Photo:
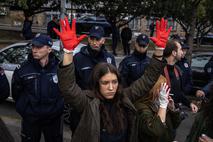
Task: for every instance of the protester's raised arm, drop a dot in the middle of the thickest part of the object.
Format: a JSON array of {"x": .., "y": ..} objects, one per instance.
[
  {"x": 145, "y": 83},
  {"x": 161, "y": 38},
  {"x": 69, "y": 39}
]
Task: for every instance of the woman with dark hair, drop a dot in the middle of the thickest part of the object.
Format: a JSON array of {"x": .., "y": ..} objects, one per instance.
[
  {"x": 157, "y": 116},
  {"x": 202, "y": 128},
  {"x": 107, "y": 112}
]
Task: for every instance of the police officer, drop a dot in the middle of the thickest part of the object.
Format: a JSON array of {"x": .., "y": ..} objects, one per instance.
[
  {"x": 53, "y": 24},
  {"x": 209, "y": 69},
  {"x": 36, "y": 93},
  {"x": 90, "y": 55},
  {"x": 133, "y": 66},
  {"x": 205, "y": 91},
  {"x": 126, "y": 36},
  {"x": 185, "y": 70},
  {"x": 4, "y": 86},
  {"x": 86, "y": 60}
]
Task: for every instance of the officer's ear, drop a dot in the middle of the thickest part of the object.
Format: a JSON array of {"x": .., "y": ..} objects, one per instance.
[
  {"x": 174, "y": 53},
  {"x": 50, "y": 49},
  {"x": 103, "y": 40}
]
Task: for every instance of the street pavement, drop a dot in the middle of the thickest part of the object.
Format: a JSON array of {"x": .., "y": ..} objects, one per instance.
[{"x": 13, "y": 122}]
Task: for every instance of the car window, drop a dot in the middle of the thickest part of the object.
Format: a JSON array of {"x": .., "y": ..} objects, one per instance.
[
  {"x": 200, "y": 61},
  {"x": 14, "y": 55}
]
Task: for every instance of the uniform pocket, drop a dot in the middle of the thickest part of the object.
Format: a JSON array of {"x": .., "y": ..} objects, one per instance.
[
  {"x": 85, "y": 74},
  {"x": 31, "y": 84}
]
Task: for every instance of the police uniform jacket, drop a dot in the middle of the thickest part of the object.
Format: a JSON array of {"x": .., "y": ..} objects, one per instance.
[
  {"x": 209, "y": 69},
  {"x": 4, "y": 86},
  {"x": 35, "y": 90},
  {"x": 86, "y": 60},
  {"x": 132, "y": 67},
  {"x": 186, "y": 75}
]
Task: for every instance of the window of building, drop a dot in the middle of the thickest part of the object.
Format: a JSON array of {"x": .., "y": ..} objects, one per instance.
[{"x": 171, "y": 23}]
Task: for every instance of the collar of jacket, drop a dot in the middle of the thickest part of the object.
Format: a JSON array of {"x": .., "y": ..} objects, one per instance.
[
  {"x": 53, "y": 60},
  {"x": 88, "y": 51},
  {"x": 140, "y": 56},
  {"x": 184, "y": 59}
]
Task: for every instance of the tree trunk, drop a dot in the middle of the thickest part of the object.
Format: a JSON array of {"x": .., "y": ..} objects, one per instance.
[{"x": 191, "y": 34}]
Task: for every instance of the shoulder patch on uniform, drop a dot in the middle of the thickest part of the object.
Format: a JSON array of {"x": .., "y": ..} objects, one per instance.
[
  {"x": 55, "y": 79},
  {"x": 109, "y": 60},
  {"x": 186, "y": 65},
  {"x": 18, "y": 66},
  {"x": 1, "y": 72}
]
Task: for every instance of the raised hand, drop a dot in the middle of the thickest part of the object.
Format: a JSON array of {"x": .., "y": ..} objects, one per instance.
[
  {"x": 163, "y": 95},
  {"x": 68, "y": 36},
  {"x": 162, "y": 34}
]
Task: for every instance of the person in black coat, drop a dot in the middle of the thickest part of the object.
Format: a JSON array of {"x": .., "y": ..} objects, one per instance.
[
  {"x": 126, "y": 36},
  {"x": 53, "y": 24},
  {"x": 4, "y": 86},
  {"x": 186, "y": 71},
  {"x": 133, "y": 66},
  {"x": 27, "y": 29},
  {"x": 37, "y": 95},
  {"x": 209, "y": 72},
  {"x": 173, "y": 53}
]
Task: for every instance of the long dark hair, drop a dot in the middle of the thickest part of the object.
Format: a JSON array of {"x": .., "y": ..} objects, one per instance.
[
  {"x": 113, "y": 121},
  {"x": 208, "y": 111}
]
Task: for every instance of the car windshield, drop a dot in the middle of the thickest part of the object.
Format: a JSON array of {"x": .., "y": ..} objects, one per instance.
[
  {"x": 18, "y": 54},
  {"x": 200, "y": 61},
  {"x": 15, "y": 55}
]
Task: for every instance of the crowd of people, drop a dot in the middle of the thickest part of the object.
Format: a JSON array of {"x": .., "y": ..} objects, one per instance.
[{"x": 138, "y": 101}]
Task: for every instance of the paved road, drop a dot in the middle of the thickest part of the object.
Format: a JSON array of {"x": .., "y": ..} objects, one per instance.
[
  {"x": 13, "y": 121},
  {"x": 185, "y": 127}
]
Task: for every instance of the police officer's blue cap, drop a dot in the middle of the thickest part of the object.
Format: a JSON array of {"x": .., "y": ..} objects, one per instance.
[
  {"x": 185, "y": 46},
  {"x": 41, "y": 40},
  {"x": 97, "y": 32},
  {"x": 142, "y": 40}
]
